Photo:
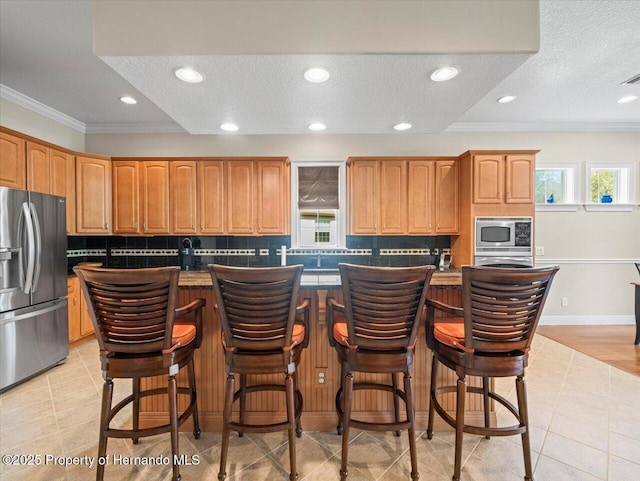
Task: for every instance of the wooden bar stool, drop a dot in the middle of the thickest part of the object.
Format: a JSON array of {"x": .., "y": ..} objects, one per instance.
[
  {"x": 257, "y": 310},
  {"x": 140, "y": 334},
  {"x": 489, "y": 337},
  {"x": 375, "y": 332}
]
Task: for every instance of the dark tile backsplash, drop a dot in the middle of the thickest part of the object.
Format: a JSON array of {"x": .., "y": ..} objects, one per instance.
[{"x": 108, "y": 250}]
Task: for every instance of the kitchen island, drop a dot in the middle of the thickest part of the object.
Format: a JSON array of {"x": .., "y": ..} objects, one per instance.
[{"x": 319, "y": 370}]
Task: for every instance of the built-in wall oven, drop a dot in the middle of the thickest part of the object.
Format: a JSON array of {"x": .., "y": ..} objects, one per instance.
[{"x": 504, "y": 241}]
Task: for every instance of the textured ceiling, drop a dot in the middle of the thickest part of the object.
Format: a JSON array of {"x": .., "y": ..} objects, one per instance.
[{"x": 587, "y": 48}]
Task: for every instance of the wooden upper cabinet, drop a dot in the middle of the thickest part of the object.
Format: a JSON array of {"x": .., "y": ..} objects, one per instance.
[
  {"x": 13, "y": 168},
  {"x": 393, "y": 197},
  {"x": 499, "y": 179},
  {"x": 488, "y": 179},
  {"x": 377, "y": 196},
  {"x": 184, "y": 197},
  {"x": 140, "y": 197},
  {"x": 154, "y": 196},
  {"x": 126, "y": 201},
  {"x": 363, "y": 196},
  {"x": 272, "y": 197},
  {"x": 38, "y": 168},
  {"x": 63, "y": 183},
  {"x": 257, "y": 193},
  {"x": 420, "y": 197},
  {"x": 433, "y": 197},
  {"x": 211, "y": 196},
  {"x": 520, "y": 179},
  {"x": 446, "y": 200},
  {"x": 93, "y": 195},
  {"x": 240, "y": 197}
]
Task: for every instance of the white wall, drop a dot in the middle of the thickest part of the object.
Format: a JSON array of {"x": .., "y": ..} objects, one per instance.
[
  {"x": 598, "y": 287},
  {"x": 16, "y": 117}
]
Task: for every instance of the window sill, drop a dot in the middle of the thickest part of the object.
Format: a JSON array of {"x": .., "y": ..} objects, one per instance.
[
  {"x": 557, "y": 207},
  {"x": 609, "y": 207}
]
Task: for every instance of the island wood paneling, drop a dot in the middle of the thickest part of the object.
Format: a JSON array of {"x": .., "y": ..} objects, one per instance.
[{"x": 319, "y": 357}]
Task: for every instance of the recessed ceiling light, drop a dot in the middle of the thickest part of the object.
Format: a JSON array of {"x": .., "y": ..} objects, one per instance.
[
  {"x": 444, "y": 73},
  {"x": 506, "y": 99},
  {"x": 128, "y": 100},
  {"x": 189, "y": 75},
  {"x": 628, "y": 98},
  {"x": 229, "y": 127},
  {"x": 317, "y": 126},
  {"x": 316, "y": 75},
  {"x": 402, "y": 126}
]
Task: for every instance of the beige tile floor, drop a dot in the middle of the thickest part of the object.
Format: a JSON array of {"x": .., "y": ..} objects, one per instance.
[{"x": 584, "y": 414}]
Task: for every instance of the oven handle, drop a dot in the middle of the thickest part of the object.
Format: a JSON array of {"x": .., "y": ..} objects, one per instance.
[{"x": 516, "y": 261}]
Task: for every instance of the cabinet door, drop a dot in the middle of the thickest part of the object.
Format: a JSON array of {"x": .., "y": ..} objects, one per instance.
[
  {"x": 520, "y": 179},
  {"x": 73, "y": 293},
  {"x": 126, "y": 202},
  {"x": 211, "y": 195},
  {"x": 363, "y": 197},
  {"x": 488, "y": 179},
  {"x": 13, "y": 167},
  {"x": 93, "y": 195},
  {"x": 63, "y": 183},
  {"x": 446, "y": 197},
  {"x": 272, "y": 197},
  {"x": 184, "y": 197},
  {"x": 240, "y": 197},
  {"x": 420, "y": 197},
  {"x": 38, "y": 168},
  {"x": 393, "y": 197},
  {"x": 86, "y": 326},
  {"x": 154, "y": 196}
]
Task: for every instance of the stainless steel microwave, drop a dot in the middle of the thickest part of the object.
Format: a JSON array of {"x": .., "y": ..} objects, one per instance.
[{"x": 504, "y": 236}]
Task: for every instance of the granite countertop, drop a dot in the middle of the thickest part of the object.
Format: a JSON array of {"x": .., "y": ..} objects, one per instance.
[{"x": 316, "y": 280}]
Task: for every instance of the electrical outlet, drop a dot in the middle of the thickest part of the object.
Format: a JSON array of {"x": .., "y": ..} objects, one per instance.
[
  {"x": 320, "y": 378},
  {"x": 564, "y": 301},
  {"x": 539, "y": 251}
]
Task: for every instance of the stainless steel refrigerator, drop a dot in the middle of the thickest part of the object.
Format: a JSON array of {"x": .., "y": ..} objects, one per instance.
[{"x": 33, "y": 284}]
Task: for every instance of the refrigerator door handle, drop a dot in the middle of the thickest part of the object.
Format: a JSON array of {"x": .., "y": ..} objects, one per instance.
[
  {"x": 20, "y": 314},
  {"x": 31, "y": 256},
  {"x": 38, "y": 245}
]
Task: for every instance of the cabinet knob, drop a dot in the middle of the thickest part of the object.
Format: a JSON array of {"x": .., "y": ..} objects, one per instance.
[
  {"x": 144, "y": 226},
  {"x": 106, "y": 226},
  {"x": 193, "y": 226},
  {"x": 135, "y": 225}
]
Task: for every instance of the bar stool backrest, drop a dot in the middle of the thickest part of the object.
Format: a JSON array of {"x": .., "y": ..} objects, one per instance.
[
  {"x": 256, "y": 306},
  {"x": 132, "y": 310},
  {"x": 384, "y": 305},
  {"x": 502, "y": 306}
]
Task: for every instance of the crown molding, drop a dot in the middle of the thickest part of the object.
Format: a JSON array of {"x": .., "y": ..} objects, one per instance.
[
  {"x": 141, "y": 128},
  {"x": 40, "y": 108},
  {"x": 543, "y": 127}
]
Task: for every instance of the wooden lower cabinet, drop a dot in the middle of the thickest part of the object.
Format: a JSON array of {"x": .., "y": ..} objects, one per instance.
[
  {"x": 80, "y": 325},
  {"x": 319, "y": 358}
]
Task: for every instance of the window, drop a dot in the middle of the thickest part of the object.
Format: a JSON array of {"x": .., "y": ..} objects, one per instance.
[
  {"x": 609, "y": 185},
  {"x": 318, "y": 190},
  {"x": 556, "y": 186}
]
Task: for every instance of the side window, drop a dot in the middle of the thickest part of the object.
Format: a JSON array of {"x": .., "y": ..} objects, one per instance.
[
  {"x": 318, "y": 207},
  {"x": 556, "y": 184},
  {"x": 610, "y": 184}
]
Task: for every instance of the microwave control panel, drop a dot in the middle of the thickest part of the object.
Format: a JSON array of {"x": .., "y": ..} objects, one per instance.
[{"x": 522, "y": 236}]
